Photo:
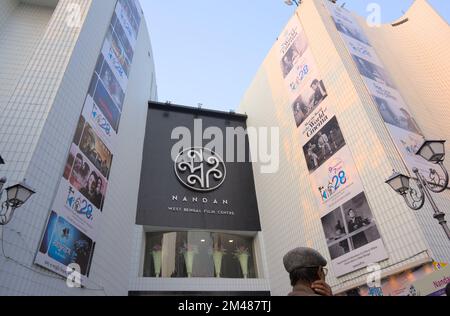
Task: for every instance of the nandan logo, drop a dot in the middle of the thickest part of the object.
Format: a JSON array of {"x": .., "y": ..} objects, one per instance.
[{"x": 200, "y": 169}]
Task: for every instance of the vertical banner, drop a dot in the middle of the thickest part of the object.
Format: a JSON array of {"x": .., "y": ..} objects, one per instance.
[
  {"x": 350, "y": 228},
  {"x": 71, "y": 231},
  {"x": 403, "y": 129}
]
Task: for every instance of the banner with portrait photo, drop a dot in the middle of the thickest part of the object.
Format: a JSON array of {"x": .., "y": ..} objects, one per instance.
[
  {"x": 306, "y": 89},
  {"x": 86, "y": 178},
  {"x": 92, "y": 147},
  {"x": 115, "y": 56},
  {"x": 323, "y": 145},
  {"x": 73, "y": 225},
  {"x": 129, "y": 51},
  {"x": 130, "y": 15},
  {"x": 333, "y": 174},
  {"x": 340, "y": 195},
  {"x": 352, "y": 236},
  {"x": 346, "y": 24},
  {"x": 95, "y": 117},
  {"x": 124, "y": 17},
  {"x": 361, "y": 50},
  {"x": 105, "y": 103},
  {"x": 112, "y": 85},
  {"x": 403, "y": 129}
]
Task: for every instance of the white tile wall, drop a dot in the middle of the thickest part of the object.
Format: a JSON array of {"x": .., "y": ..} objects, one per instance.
[
  {"x": 288, "y": 209},
  {"x": 21, "y": 32},
  {"x": 417, "y": 54},
  {"x": 114, "y": 248},
  {"x": 6, "y": 9},
  {"x": 37, "y": 126}
]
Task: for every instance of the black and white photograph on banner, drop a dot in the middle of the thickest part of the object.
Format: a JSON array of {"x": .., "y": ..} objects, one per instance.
[
  {"x": 374, "y": 72},
  {"x": 397, "y": 116},
  {"x": 300, "y": 110},
  {"x": 294, "y": 53},
  {"x": 350, "y": 30},
  {"x": 314, "y": 95},
  {"x": 323, "y": 145},
  {"x": 361, "y": 226},
  {"x": 350, "y": 227},
  {"x": 335, "y": 233}
]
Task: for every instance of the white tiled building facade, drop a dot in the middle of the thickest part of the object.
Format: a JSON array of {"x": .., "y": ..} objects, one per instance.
[
  {"x": 47, "y": 60},
  {"x": 49, "y": 50},
  {"x": 416, "y": 53}
]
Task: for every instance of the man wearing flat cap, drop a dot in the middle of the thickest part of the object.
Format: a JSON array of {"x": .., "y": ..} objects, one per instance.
[{"x": 306, "y": 268}]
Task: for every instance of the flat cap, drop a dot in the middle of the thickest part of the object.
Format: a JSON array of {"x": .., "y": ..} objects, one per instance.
[{"x": 303, "y": 258}]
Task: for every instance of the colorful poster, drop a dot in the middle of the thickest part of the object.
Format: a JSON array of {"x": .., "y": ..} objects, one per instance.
[
  {"x": 404, "y": 130},
  {"x": 106, "y": 104},
  {"x": 73, "y": 224},
  {"x": 349, "y": 226},
  {"x": 95, "y": 117},
  {"x": 431, "y": 285},
  {"x": 397, "y": 284},
  {"x": 64, "y": 244}
]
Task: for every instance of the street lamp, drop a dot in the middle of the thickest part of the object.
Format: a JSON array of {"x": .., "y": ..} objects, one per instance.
[
  {"x": 299, "y": 2},
  {"x": 291, "y": 2},
  {"x": 434, "y": 152},
  {"x": 16, "y": 196}
]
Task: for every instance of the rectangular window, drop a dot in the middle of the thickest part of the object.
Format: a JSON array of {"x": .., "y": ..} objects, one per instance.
[{"x": 199, "y": 255}]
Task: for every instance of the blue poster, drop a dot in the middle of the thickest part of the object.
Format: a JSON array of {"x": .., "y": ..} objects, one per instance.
[{"x": 68, "y": 245}]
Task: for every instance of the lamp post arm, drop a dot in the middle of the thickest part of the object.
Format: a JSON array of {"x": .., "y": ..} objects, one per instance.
[
  {"x": 436, "y": 184},
  {"x": 414, "y": 199},
  {"x": 6, "y": 213},
  {"x": 438, "y": 215}
]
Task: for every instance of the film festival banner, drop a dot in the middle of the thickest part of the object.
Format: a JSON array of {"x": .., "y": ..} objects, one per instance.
[
  {"x": 431, "y": 285},
  {"x": 403, "y": 129},
  {"x": 349, "y": 226},
  {"x": 71, "y": 231}
]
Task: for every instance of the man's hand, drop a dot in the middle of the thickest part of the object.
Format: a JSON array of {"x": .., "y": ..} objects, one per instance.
[{"x": 322, "y": 288}]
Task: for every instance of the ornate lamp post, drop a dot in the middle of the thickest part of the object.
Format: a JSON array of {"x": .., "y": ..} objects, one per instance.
[
  {"x": 434, "y": 152},
  {"x": 16, "y": 196},
  {"x": 291, "y": 2}
]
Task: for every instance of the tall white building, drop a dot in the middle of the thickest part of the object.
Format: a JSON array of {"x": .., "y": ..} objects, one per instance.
[
  {"x": 49, "y": 50},
  {"x": 351, "y": 103},
  {"x": 378, "y": 91}
]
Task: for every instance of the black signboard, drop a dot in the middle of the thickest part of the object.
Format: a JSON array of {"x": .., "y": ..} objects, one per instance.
[{"x": 197, "y": 187}]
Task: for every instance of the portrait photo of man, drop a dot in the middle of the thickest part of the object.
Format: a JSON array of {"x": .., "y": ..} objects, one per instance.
[
  {"x": 300, "y": 110},
  {"x": 294, "y": 53},
  {"x": 360, "y": 223}
]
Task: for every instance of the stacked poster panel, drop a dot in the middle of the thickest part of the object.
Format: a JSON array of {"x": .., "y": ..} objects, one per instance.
[
  {"x": 403, "y": 129},
  {"x": 71, "y": 231},
  {"x": 350, "y": 228}
]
